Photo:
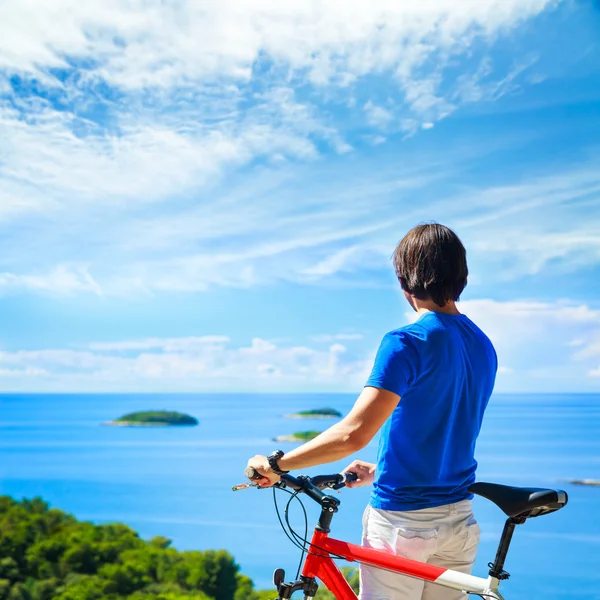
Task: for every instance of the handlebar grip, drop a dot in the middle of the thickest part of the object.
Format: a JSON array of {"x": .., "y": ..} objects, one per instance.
[
  {"x": 344, "y": 478},
  {"x": 350, "y": 476},
  {"x": 252, "y": 473}
]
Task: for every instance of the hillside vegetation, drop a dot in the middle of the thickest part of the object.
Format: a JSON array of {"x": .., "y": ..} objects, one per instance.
[{"x": 46, "y": 554}]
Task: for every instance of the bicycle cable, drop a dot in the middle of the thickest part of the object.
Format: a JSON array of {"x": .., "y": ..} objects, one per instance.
[
  {"x": 281, "y": 522},
  {"x": 287, "y": 520},
  {"x": 302, "y": 543}
]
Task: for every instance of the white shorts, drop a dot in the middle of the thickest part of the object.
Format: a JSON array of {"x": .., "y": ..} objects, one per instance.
[{"x": 446, "y": 536}]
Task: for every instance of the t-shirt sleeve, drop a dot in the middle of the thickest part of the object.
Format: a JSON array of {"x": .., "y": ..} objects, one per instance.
[{"x": 394, "y": 364}]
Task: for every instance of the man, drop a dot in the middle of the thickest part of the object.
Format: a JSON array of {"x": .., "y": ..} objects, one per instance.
[{"x": 429, "y": 387}]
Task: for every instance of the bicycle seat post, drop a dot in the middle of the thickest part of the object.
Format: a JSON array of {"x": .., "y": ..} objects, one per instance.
[{"x": 497, "y": 567}]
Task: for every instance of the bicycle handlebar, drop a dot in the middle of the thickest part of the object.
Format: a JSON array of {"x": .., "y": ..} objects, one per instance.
[{"x": 307, "y": 484}]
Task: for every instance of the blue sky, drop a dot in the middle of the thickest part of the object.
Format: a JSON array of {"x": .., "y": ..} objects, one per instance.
[{"x": 204, "y": 198}]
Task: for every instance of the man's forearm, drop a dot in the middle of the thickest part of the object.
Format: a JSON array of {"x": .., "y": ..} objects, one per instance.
[{"x": 335, "y": 443}]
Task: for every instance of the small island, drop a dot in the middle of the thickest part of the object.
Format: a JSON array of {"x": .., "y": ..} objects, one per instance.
[
  {"x": 301, "y": 436},
  {"x": 593, "y": 482},
  {"x": 320, "y": 413},
  {"x": 154, "y": 418}
]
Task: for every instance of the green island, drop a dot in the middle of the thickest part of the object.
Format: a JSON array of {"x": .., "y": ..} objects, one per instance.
[
  {"x": 157, "y": 418},
  {"x": 300, "y": 436},
  {"x": 47, "y": 554},
  {"x": 320, "y": 413}
]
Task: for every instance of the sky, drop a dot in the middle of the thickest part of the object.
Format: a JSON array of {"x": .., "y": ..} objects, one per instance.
[{"x": 205, "y": 196}]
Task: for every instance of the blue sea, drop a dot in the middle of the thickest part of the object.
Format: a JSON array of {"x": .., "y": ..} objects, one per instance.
[{"x": 176, "y": 482}]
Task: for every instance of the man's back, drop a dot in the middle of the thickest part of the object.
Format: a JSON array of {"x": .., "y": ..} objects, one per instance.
[{"x": 443, "y": 368}]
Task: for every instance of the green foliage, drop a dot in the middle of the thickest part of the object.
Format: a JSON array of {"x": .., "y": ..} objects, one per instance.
[
  {"x": 158, "y": 417},
  {"x": 46, "y": 554}
]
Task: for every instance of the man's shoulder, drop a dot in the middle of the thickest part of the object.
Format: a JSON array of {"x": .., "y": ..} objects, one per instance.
[
  {"x": 406, "y": 338},
  {"x": 416, "y": 330}
]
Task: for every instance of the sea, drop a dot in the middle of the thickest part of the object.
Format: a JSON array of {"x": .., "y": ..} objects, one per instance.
[{"x": 177, "y": 482}]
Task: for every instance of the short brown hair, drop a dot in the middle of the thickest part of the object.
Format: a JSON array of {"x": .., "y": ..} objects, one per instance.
[{"x": 431, "y": 263}]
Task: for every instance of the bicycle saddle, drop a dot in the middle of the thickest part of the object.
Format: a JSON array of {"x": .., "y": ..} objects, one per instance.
[{"x": 521, "y": 501}]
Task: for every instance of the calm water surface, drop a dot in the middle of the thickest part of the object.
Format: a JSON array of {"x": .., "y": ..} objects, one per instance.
[{"x": 177, "y": 482}]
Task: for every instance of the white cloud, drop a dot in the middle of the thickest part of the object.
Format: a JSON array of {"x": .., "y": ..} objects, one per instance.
[
  {"x": 375, "y": 140},
  {"x": 378, "y": 116},
  {"x": 143, "y": 158},
  {"x": 202, "y": 363},
  {"x": 165, "y": 45}
]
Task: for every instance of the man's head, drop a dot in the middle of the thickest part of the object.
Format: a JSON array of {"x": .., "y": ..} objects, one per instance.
[{"x": 431, "y": 264}]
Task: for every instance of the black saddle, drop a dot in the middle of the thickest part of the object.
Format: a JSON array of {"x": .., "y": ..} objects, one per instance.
[{"x": 521, "y": 502}]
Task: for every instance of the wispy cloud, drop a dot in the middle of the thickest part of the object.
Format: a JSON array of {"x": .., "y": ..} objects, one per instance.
[
  {"x": 121, "y": 102},
  {"x": 326, "y": 230},
  {"x": 159, "y": 145},
  {"x": 337, "y": 337},
  {"x": 162, "y": 344},
  {"x": 62, "y": 279}
]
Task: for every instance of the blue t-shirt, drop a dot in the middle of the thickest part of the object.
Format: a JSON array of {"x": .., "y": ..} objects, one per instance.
[{"x": 443, "y": 368}]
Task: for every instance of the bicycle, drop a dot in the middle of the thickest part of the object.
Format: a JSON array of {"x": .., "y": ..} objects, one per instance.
[{"x": 518, "y": 503}]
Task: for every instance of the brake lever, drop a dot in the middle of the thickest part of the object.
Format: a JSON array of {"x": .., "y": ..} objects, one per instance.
[
  {"x": 246, "y": 486},
  {"x": 243, "y": 486}
]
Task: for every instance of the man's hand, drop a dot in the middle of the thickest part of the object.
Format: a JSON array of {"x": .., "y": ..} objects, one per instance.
[
  {"x": 261, "y": 464},
  {"x": 365, "y": 472}
]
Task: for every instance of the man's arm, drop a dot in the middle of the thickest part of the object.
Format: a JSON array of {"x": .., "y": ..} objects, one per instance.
[{"x": 351, "y": 434}]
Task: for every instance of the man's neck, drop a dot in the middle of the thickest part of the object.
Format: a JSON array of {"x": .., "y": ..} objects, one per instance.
[{"x": 425, "y": 306}]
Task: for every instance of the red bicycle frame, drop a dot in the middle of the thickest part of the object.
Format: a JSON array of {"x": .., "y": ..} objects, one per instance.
[
  {"x": 320, "y": 564},
  {"x": 518, "y": 503}
]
